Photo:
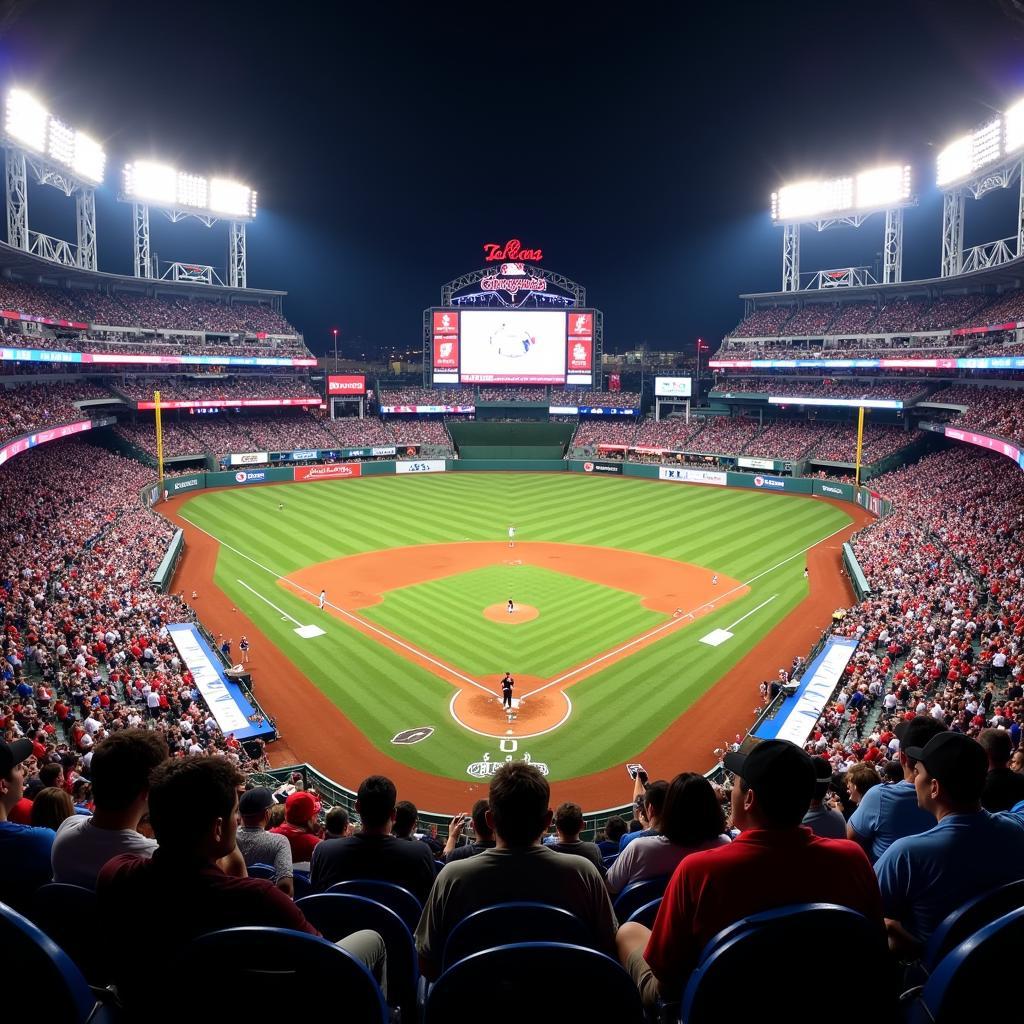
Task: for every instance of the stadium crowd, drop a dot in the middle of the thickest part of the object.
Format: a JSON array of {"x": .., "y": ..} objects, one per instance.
[
  {"x": 28, "y": 407},
  {"x": 839, "y": 388},
  {"x": 214, "y": 389}
]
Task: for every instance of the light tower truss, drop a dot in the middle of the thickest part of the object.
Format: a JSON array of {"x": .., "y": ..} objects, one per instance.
[
  {"x": 20, "y": 164},
  {"x": 955, "y": 258},
  {"x": 576, "y": 290}
]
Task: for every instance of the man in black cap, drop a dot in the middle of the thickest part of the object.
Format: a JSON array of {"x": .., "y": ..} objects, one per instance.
[
  {"x": 925, "y": 877},
  {"x": 24, "y": 851},
  {"x": 772, "y": 863},
  {"x": 893, "y": 812},
  {"x": 257, "y": 845}
]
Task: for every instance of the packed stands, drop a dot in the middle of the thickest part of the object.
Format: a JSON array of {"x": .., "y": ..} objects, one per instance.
[
  {"x": 838, "y": 442},
  {"x": 427, "y": 396},
  {"x": 214, "y": 389},
  {"x": 506, "y": 393},
  {"x": 785, "y": 439},
  {"x": 672, "y": 433},
  {"x": 599, "y": 399},
  {"x": 418, "y": 431},
  {"x": 763, "y": 323},
  {"x": 846, "y": 388},
  {"x": 990, "y": 410},
  {"x": 592, "y": 433},
  {"x": 724, "y": 434},
  {"x": 29, "y": 407}
]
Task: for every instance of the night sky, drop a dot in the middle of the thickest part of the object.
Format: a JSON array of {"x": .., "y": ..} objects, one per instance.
[{"x": 637, "y": 148}]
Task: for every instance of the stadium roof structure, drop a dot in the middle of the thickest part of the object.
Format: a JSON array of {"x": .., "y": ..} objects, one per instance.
[{"x": 23, "y": 265}]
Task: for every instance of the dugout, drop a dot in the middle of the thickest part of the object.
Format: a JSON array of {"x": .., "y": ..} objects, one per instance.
[{"x": 482, "y": 440}]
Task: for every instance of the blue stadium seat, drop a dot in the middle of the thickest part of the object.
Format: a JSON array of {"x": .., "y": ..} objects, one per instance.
[
  {"x": 513, "y": 981},
  {"x": 646, "y": 914},
  {"x": 399, "y": 899},
  {"x": 970, "y": 918},
  {"x": 506, "y": 923},
  {"x": 636, "y": 894},
  {"x": 438, "y": 864},
  {"x": 990, "y": 956},
  {"x": 298, "y": 969},
  {"x": 336, "y": 915},
  {"x": 302, "y": 884},
  {"x": 609, "y": 860},
  {"x": 66, "y": 913},
  {"x": 262, "y": 871},
  {"x": 42, "y": 971},
  {"x": 765, "y": 950}
]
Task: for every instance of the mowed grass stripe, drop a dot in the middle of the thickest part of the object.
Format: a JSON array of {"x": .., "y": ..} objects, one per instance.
[{"x": 619, "y": 710}]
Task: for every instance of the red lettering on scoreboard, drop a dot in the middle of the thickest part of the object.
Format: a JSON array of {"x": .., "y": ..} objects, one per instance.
[{"x": 511, "y": 250}]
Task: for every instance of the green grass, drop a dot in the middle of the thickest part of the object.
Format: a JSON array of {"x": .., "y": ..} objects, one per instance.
[
  {"x": 617, "y": 711},
  {"x": 576, "y": 619}
]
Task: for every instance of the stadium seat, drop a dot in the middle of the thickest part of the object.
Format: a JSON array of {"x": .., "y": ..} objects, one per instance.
[
  {"x": 513, "y": 922},
  {"x": 62, "y": 911},
  {"x": 40, "y": 968},
  {"x": 336, "y": 915},
  {"x": 400, "y": 900},
  {"x": 302, "y": 885},
  {"x": 970, "y": 918},
  {"x": 636, "y": 894},
  {"x": 609, "y": 860},
  {"x": 512, "y": 982},
  {"x": 438, "y": 864},
  {"x": 300, "y": 970},
  {"x": 991, "y": 955},
  {"x": 646, "y": 914},
  {"x": 763, "y": 949},
  {"x": 262, "y": 871}
]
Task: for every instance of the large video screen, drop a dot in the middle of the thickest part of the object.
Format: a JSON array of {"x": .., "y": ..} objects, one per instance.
[{"x": 524, "y": 346}]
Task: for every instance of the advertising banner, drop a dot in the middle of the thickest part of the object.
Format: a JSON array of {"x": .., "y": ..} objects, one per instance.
[
  {"x": 833, "y": 490},
  {"x": 427, "y": 408},
  {"x": 963, "y": 363},
  {"x": 755, "y": 463},
  {"x": 692, "y": 476},
  {"x": 22, "y": 444},
  {"x": 346, "y": 384},
  {"x": 579, "y": 348},
  {"x": 250, "y": 458},
  {"x": 424, "y": 466},
  {"x": 342, "y": 471},
  {"x": 176, "y": 484},
  {"x": 845, "y": 403},
  {"x": 994, "y": 444},
  {"x": 770, "y": 483},
  {"x": 596, "y": 410},
  {"x": 251, "y": 476},
  {"x": 446, "y": 340},
  {"x": 672, "y": 387},
  {"x": 36, "y": 355},
  {"x": 602, "y": 467}
]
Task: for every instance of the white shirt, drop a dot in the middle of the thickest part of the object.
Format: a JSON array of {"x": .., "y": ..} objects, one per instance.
[
  {"x": 81, "y": 849},
  {"x": 91, "y": 725},
  {"x": 649, "y": 857}
]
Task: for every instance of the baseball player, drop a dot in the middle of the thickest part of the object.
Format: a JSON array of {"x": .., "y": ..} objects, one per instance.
[
  {"x": 323, "y": 599},
  {"x": 511, "y": 536},
  {"x": 506, "y": 690},
  {"x": 511, "y": 607},
  {"x": 714, "y": 581}
]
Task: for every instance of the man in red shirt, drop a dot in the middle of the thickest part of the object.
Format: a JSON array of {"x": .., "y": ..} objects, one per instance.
[
  {"x": 774, "y": 862},
  {"x": 299, "y": 828},
  {"x": 161, "y": 904}
]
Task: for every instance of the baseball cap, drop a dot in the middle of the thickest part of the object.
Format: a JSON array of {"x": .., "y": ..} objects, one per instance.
[
  {"x": 299, "y": 808},
  {"x": 780, "y": 773},
  {"x": 917, "y": 731},
  {"x": 255, "y": 801},
  {"x": 956, "y": 761},
  {"x": 14, "y": 753}
]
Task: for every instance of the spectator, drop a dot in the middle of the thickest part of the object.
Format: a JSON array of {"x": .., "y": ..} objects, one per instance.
[
  {"x": 648, "y": 808},
  {"x": 518, "y": 865},
  {"x": 24, "y": 850},
  {"x": 484, "y": 834},
  {"x": 121, "y": 768},
  {"x": 859, "y": 779},
  {"x": 693, "y": 820},
  {"x": 774, "y": 862},
  {"x": 406, "y": 816},
  {"x": 614, "y": 829},
  {"x": 51, "y": 807},
  {"x": 300, "y": 827},
  {"x": 823, "y": 821},
  {"x": 568, "y": 826},
  {"x": 374, "y": 852},
  {"x": 925, "y": 877},
  {"x": 180, "y": 891},
  {"x": 257, "y": 845},
  {"x": 888, "y": 813},
  {"x": 1003, "y": 786},
  {"x": 336, "y": 824}
]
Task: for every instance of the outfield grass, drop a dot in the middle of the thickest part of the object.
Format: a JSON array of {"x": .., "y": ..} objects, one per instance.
[
  {"x": 576, "y": 620},
  {"x": 617, "y": 711}
]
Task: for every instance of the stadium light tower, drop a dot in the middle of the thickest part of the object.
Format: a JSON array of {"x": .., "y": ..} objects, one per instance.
[
  {"x": 987, "y": 158},
  {"x": 844, "y": 202},
  {"x": 59, "y": 156},
  {"x": 179, "y": 194}
]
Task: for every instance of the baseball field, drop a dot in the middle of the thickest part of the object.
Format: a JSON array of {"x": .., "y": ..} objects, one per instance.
[{"x": 632, "y": 600}]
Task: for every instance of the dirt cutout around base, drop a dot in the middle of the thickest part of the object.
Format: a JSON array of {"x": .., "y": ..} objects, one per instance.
[
  {"x": 520, "y": 613},
  {"x": 315, "y": 730}
]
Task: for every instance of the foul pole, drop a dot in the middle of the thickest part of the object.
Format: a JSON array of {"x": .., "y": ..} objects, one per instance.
[
  {"x": 860, "y": 440},
  {"x": 160, "y": 441}
]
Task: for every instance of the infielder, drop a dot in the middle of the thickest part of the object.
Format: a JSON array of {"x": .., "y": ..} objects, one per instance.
[{"x": 323, "y": 599}]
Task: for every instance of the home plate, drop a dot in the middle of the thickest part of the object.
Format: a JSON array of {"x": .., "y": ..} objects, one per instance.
[
  {"x": 713, "y": 639},
  {"x": 308, "y": 632}
]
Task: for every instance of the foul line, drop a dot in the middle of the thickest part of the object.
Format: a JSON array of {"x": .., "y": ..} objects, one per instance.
[
  {"x": 355, "y": 618},
  {"x": 751, "y": 612},
  {"x": 271, "y": 603},
  {"x": 676, "y": 622}
]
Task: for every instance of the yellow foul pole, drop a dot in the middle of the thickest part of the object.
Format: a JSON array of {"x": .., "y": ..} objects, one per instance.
[
  {"x": 160, "y": 441},
  {"x": 860, "y": 438}
]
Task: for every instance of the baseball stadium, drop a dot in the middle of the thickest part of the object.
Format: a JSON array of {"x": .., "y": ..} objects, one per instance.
[{"x": 409, "y": 620}]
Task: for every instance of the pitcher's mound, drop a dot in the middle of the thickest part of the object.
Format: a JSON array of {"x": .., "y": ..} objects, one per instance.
[{"x": 499, "y": 613}]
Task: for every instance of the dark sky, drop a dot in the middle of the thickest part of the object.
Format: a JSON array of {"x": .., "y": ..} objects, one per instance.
[{"x": 638, "y": 148}]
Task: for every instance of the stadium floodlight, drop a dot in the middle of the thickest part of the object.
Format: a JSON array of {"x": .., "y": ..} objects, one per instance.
[
  {"x": 26, "y": 120},
  {"x": 89, "y": 160},
  {"x": 972, "y": 152},
  {"x": 146, "y": 180},
  {"x": 954, "y": 161},
  {"x": 883, "y": 187},
  {"x": 877, "y": 188},
  {"x": 232, "y": 198},
  {"x": 61, "y": 143},
  {"x": 1013, "y": 122}
]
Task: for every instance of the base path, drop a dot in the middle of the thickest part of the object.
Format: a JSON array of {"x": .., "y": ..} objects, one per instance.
[{"x": 314, "y": 729}]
